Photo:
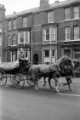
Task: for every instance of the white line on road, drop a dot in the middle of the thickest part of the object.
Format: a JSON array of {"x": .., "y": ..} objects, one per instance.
[{"x": 66, "y": 94}]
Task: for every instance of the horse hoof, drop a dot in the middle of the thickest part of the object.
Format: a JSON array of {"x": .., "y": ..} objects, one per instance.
[
  {"x": 57, "y": 90},
  {"x": 51, "y": 88},
  {"x": 36, "y": 88}
]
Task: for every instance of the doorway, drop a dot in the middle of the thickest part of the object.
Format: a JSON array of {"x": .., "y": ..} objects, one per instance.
[{"x": 35, "y": 59}]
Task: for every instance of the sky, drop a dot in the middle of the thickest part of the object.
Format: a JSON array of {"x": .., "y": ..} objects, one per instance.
[{"x": 20, "y": 5}]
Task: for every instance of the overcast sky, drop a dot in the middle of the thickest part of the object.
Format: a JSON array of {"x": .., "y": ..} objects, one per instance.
[{"x": 20, "y": 5}]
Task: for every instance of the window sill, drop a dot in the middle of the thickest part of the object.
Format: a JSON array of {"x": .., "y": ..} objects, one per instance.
[
  {"x": 71, "y": 40},
  {"x": 67, "y": 20}
]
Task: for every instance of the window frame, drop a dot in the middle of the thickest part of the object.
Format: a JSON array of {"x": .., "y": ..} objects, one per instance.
[
  {"x": 25, "y": 22},
  {"x": 76, "y": 33},
  {"x": 53, "y": 33},
  {"x": 67, "y": 33},
  {"x": 48, "y": 55},
  {"x": 9, "y": 25},
  {"x": 52, "y": 53},
  {"x": 51, "y": 17},
  {"x": 67, "y": 13},
  {"x": 14, "y": 24},
  {"x": 50, "y": 35},
  {"x": 76, "y": 12}
]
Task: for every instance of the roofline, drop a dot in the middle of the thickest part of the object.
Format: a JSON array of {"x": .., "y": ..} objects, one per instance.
[{"x": 37, "y": 9}]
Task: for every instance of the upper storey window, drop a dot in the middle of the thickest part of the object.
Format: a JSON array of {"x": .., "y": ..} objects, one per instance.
[
  {"x": 20, "y": 37},
  {"x": 14, "y": 24},
  {"x": 45, "y": 34},
  {"x": 9, "y": 40},
  {"x": 26, "y": 35},
  {"x": 19, "y": 22},
  {"x": 76, "y": 12},
  {"x": 23, "y": 37},
  {"x": 25, "y": 22},
  {"x": 9, "y": 25},
  {"x": 50, "y": 17},
  {"x": 14, "y": 40},
  {"x": 67, "y": 13}
]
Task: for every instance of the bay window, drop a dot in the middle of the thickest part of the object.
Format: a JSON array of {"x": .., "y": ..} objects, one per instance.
[
  {"x": 76, "y": 32},
  {"x": 67, "y": 33}
]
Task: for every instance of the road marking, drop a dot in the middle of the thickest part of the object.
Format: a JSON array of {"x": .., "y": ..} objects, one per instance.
[{"x": 66, "y": 94}]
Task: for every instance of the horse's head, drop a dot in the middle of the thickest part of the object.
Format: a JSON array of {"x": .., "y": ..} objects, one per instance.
[{"x": 66, "y": 66}]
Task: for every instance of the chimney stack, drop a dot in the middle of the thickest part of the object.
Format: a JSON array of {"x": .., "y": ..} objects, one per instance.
[{"x": 44, "y": 4}]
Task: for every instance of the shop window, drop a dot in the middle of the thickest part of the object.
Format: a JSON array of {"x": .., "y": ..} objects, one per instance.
[{"x": 53, "y": 53}]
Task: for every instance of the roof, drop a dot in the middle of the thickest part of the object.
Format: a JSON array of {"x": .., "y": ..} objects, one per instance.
[
  {"x": 28, "y": 11},
  {"x": 64, "y": 3},
  {"x": 38, "y": 9}
]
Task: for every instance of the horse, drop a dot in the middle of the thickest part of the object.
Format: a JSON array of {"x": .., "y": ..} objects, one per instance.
[
  {"x": 46, "y": 71},
  {"x": 65, "y": 68},
  {"x": 15, "y": 69},
  {"x": 35, "y": 72}
]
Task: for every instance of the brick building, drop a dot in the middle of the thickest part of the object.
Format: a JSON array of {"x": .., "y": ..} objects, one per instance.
[
  {"x": 2, "y": 30},
  {"x": 45, "y": 33}
]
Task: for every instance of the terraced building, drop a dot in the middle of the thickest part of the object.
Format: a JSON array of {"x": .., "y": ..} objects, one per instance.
[{"x": 44, "y": 33}]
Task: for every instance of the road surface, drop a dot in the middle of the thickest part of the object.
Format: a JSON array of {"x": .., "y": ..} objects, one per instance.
[{"x": 29, "y": 104}]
